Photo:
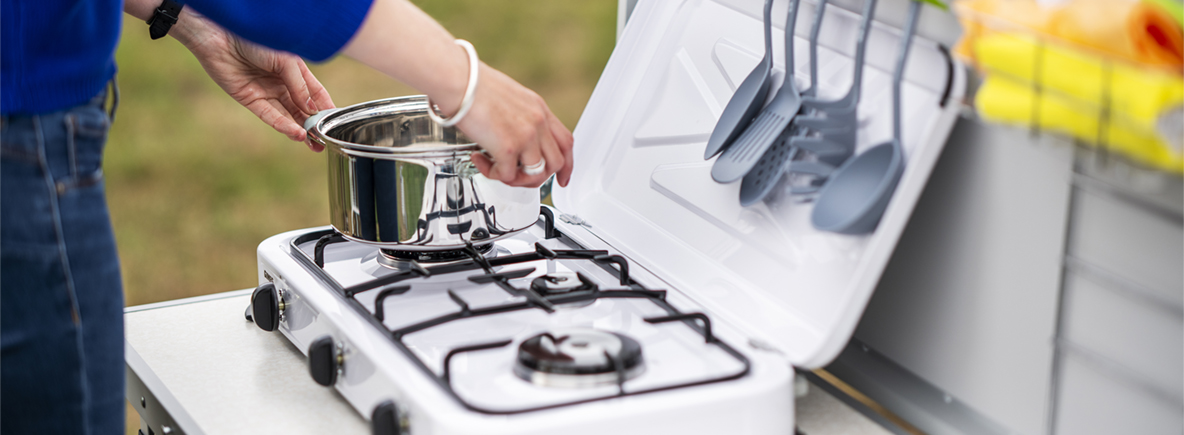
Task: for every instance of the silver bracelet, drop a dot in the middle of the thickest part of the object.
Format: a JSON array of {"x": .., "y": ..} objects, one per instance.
[{"x": 470, "y": 91}]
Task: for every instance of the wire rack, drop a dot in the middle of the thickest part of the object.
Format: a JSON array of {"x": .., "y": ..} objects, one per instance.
[{"x": 1032, "y": 79}]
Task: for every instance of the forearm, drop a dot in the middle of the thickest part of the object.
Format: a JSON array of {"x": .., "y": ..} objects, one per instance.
[
  {"x": 190, "y": 29},
  {"x": 400, "y": 40}
]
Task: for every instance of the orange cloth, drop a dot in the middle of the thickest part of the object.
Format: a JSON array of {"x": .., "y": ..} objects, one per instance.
[{"x": 1132, "y": 30}]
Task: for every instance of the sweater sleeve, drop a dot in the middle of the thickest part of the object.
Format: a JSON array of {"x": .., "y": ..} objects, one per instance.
[{"x": 313, "y": 29}]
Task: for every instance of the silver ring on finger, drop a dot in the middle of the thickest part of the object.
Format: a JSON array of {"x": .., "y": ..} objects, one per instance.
[{"x": 534, "y": 169}]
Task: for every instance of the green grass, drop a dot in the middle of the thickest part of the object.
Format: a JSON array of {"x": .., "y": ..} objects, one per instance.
[{"x": 195, "y": 181}]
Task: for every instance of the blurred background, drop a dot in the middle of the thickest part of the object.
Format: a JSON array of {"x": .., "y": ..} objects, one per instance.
[{"x": 195, "y": 181}]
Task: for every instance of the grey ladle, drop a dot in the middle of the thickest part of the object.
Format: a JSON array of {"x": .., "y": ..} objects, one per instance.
[
  {"x": 856, "y": 195},
  {"x": 768, "y": 127},
  {"x": 746, "y": 102}
]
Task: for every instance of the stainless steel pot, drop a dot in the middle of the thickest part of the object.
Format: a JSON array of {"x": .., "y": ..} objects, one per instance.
[{"x": 400, "y": 181}]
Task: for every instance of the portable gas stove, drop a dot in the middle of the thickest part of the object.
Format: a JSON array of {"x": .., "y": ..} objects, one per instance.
[
  {"x": 648, "y": 301},
  {"x": 534, "y": 334}
]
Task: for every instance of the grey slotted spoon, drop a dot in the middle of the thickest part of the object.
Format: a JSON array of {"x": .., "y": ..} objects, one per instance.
[
  {"x": 856, "y": 195},
  {"x": 766, "y": 129},
  {"x": 747, "y": 99}
]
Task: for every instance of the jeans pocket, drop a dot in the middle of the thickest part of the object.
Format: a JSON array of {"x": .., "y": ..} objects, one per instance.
[{"x": 87, "y": 127}]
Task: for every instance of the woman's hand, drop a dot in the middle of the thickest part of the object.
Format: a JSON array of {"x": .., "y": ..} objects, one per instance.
[
  {"x": 517, "y": 129},
  {"x": 276, "y": 86},
  {"x": 509, "y": 121}
]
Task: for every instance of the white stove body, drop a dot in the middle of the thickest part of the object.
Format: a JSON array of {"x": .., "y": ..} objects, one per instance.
[{"x": 375, "y": 371}]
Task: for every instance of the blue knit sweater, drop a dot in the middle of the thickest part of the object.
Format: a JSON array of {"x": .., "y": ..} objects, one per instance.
[{"x": 55, "y": 54}]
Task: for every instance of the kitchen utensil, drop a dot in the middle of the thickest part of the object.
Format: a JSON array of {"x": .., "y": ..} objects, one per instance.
[
  {"x": 747, "y": 100},
  {"x": 833, "y": 121},
  {"x": 767, "y": 128},
  {"x": 764, "y": 175},
  {"x": 856, "y": 195},
  {"x": 400, "y": 181}
]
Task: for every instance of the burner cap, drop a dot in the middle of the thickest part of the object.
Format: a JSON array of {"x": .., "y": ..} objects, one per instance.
[
  {"x": 578, "y": 358},
  {"x": 559, "y": 283},
  {"x": 432, "y": 256}
]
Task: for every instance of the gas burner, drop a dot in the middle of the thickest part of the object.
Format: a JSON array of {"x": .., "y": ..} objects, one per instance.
[
  {"x": 579, "y": 358},
  {"x": 558, "y": 283},
  {"x": 562, "y": 283},
  {"x": 398, "y": 260}
]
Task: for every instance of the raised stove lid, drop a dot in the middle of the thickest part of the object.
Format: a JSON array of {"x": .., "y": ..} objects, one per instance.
[{"x": 641, "y": 183}]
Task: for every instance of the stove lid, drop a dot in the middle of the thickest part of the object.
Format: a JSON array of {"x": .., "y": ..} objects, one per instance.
[{"x": 642, "y": 185}]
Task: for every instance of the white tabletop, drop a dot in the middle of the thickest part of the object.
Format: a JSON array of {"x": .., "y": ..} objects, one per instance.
[
  {"x": 213, "y": 372},
  {"x": 228, "y": 375}
]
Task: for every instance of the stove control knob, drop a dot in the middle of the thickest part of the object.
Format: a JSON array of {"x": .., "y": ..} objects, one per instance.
[
  {"x": 324, "y": 361},
  {"x": 385, "y": 420},
  {"x": 266, "y": 305}
]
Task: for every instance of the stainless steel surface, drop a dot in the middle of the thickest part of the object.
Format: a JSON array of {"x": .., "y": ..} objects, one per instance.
[
  {"x": 214, "y": 372},
  {"x": 399, "y": 180}
]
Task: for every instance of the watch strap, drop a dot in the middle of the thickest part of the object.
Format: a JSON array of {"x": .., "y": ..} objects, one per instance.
[{"x": 163, "y": 18}]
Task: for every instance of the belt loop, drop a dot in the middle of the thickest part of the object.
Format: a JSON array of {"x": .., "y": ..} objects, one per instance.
[{"x": 114, "y": 84}]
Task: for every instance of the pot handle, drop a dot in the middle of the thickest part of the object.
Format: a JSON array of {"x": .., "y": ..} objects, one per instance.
[{"x": 314, "y": 119}]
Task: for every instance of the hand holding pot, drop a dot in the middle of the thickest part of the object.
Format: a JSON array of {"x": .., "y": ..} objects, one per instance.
[
  {"x": 509, "y": 121},
  {"x": 517, "y": 130}
]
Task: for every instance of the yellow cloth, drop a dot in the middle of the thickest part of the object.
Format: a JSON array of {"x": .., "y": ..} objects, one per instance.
[
  {"x": 1001, "y": 99},
  {"x": 1141, "y": 95},
  {"x": 1136, "y": 31},
  {"x": 1034, "y": 59}
]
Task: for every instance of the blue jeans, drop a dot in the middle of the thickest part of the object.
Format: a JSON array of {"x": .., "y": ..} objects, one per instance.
[{"x": 61, "y": 299}]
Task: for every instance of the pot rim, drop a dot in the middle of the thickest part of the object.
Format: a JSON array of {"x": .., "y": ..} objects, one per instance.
[{"x": 386, "y": 106}]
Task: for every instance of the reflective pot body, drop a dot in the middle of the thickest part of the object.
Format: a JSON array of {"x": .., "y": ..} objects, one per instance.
[{"x": 400, "y": 181}]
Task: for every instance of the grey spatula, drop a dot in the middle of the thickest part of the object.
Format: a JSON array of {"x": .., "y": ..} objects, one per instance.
[
  {"x": 747, "y": 100},
  {"x": 767, "y": 128}
]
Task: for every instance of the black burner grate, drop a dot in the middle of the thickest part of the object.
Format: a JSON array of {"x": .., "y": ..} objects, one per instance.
[{"x": 477, "y": 261}]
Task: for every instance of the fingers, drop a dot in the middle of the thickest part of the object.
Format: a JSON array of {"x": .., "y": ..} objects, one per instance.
[
  {"x": 320, "y": 95},
  {"x": 483, "y": 164},
  {"x": 293, "y": 77},
  {"x": 293, "y": 111},
  {"x": 531, "y": 157},
  {"x": 564, "y": 141},
  {"x": 552, "y": 155},
  {"x": 505, "y": 166},
  {"x": 272, "y": 113}
]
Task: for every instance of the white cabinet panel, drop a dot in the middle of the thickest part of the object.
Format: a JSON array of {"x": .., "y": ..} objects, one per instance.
[
  {"x": 1136, "y": 243},
  {"x": 1092, "y": 402},
  {"x": 1144, "y": 338}
]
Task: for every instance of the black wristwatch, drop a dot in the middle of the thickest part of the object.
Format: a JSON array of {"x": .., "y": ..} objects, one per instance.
[{"x": 163, "y": 18}]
